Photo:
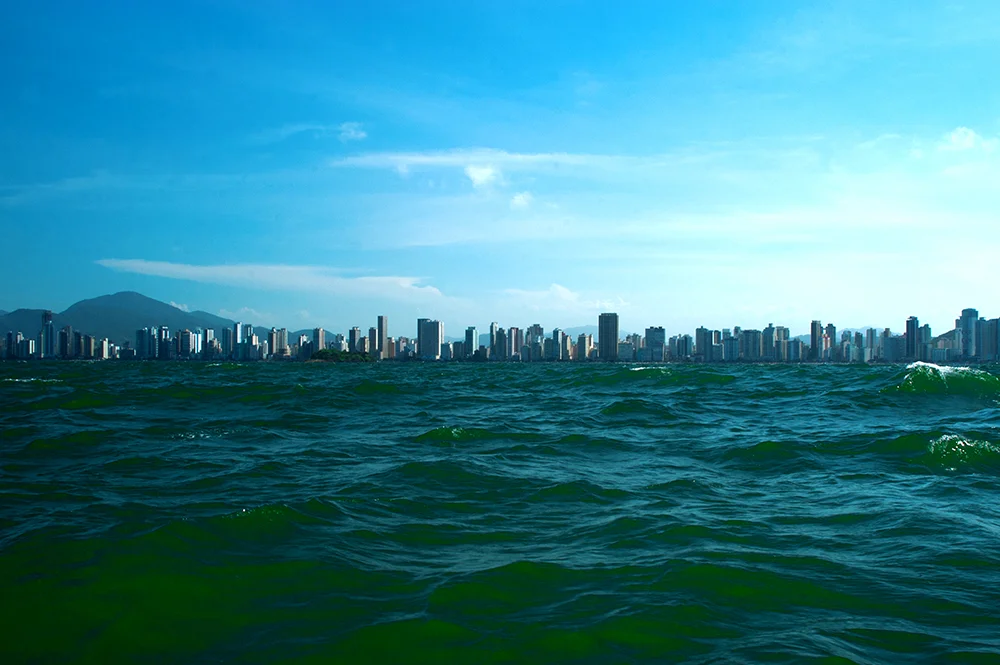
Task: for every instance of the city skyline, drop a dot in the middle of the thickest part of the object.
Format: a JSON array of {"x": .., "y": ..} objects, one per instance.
[
  {"x": 305, "y": 165},
  {"x": 973, "y": 338}
]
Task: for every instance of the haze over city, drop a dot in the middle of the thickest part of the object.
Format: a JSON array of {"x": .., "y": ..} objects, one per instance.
[{"x": 317, "y": 166}]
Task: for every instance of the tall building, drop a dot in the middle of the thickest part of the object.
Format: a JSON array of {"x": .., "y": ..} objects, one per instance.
[
  {"x": 237, "y": 334},
  {"x": 319, "y": 339},
  {"x": 47, "y": 337},
  {"x": 373, "y": 341},
  {"x": 703, "y": 344},
  {"x": 515, "y": 340},
  {"x": 656, "y": 342},
  {"x": 354, "y": 339},
  {"x": 430, "y": 337},
  {"x": 420, "y": 327},
  {"x": 912, "y": 337},
  {"x": 471, "y": 341},
  {"x": 584, "y": 344},
  {"x": 228, "y": 343},
  {"x": 383, "y": 336},
  {"x": 66, "y": 343},
  {"x": 815, "y": 340},
  {"x": 989, "y": 341},
  {"x": 767, "y": 339},
  {"x": 534, "y": 334},
  {"x": 500, "y": 344},
  {"x": 607, "y": 336},
  {"x": 967, "y": 324},
  {"x": 493, "y": 339}
]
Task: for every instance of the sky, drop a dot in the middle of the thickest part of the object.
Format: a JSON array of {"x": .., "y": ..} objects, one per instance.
[{"x": 682, "y": 164}]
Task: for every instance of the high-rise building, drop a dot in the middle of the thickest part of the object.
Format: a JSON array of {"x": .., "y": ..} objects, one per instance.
[
  {"x": 767, "y": 338},
  {"x": 373, "y": 341},
  {"x": 47, "y": 343},
  {"x": 66, "y": 343},
  {"x": 420, "y": 327},
  {"x": 471, "y": 341},
  {"x": 534, "y": 334},
  {"x": 515, "y": 340},
  {"x": 354, "y": 339},
  {"x": 493, "y": 339},
  {"x": 815, "y": 340},
  {"x": 383, "y": 336},
  {"x": 430, "y": 338},
  {"x": 607, "y": 336},
  {"x": 912, "y": 337},
  {"x": 499, "y": 337},
  {"x": 989, "y": 341},
  {"x": 228, "y": 344},
  {"x": 237, "y": 334},
  {"x": 750, "y": 345},
  {"x": 703, "y": 344},
  {"x": 967, "y": 324},
  {"x": 584, "y": 345},
  {"x": 656, "y": 342},
  {"x": 319, "y": 339}
]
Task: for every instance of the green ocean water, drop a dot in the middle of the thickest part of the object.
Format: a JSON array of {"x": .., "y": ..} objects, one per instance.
[{"x": 467, "y": 513}]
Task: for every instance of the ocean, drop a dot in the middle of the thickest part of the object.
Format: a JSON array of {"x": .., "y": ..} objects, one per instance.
[{"x": 498, "y": 513}]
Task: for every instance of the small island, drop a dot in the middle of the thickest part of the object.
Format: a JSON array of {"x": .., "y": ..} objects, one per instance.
[{"x": 337, "y": 356}]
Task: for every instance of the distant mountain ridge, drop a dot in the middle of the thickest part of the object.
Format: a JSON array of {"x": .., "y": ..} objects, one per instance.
[{"x": 116, "y": 316}]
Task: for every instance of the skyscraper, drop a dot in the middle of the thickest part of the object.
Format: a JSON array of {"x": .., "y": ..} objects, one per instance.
[
  {"x": 420, "y": 327},
  {"x": 656, "y": 341},
  {"x": 383, "y": 336},
  {"x": 431, "y": 337},
  {"x": 373, "y": 341},
  {"x": 47, "y": 342},
  {"x": 607, "y": 336},
  {"x": 471, "y": 341},
  {"x": 815, "y": 340},
  {"x": 912, "y": 337},
  {"x": 500, "y": 344},
  {"x": 318, "y": 340},
  {"x": 703, "y": 344},
  {"x": 493, "y": 339},
  {"x": 353, "y": 339},
  {"x": 967, "y": 324},
  {"x": 767, "y": 342}
]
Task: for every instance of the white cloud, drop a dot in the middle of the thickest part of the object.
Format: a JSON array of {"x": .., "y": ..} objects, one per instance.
[
  {"x": 461, "y": 158},
  {"x": 521, "y": 200},
  {"x": 558, "y": 298},
  {"x": 244, "y": 314},
  {"x": 352, "y": 131},
  {"x": 345, "y": 131},
  {"x": 183, "y": 308},
  {"x": 481, "y": 176},
  {"x": 963, "y": 138},
  {"x": 284, "y": 278}
]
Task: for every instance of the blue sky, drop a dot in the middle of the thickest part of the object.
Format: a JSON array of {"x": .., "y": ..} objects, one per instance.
[{"x": 302, "y": 164}]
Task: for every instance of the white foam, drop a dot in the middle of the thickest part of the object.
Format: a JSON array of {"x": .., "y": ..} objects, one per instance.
[{"x": 943, "y": 369}]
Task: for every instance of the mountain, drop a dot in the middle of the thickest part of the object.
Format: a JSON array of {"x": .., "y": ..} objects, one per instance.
[
  {"x": 115, "y": 316},
  {"x": 3, "y": 313}
]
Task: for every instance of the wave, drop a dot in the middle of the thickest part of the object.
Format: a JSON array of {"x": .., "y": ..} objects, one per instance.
[
  {"x": 639, "y": 407},
  {"x": 929, "y": 379}
]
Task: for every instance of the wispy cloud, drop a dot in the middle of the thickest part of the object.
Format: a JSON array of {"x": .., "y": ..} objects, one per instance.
[
  {"x": 963, "y": 138},
  {"x": 183, "y": 308},
  {"x": 352, "y": 131},
  {"x": 345, "y": 131},
  {"x": 284, "y": 278},
  {"x": 558, "y": 298},
  {"x": 521, "y": 200},
  {"x": 481, "y": 176},
  {"x": 245, "y": 313}
]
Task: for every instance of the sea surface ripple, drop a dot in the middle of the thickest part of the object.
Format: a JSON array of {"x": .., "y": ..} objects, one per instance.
[{"x": 499, "y": 513}]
